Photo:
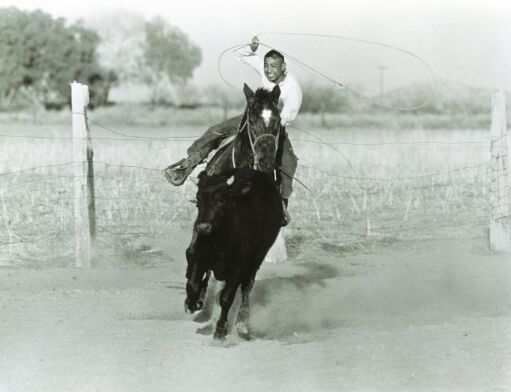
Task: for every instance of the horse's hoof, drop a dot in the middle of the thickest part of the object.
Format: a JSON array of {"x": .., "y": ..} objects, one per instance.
[
  {"x": 202, "y": 317},
  {"x": 244, "y": 336},
  {"x": 243, "y": 331},
  {"x": 220, "y": 334},
  {"x": 206, "y": 330}
]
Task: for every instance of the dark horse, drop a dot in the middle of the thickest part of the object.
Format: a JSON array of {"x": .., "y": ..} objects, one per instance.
[{"x": 257, "y": 144}]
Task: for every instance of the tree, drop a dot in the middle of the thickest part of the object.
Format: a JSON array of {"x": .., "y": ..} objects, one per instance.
[
  {"x": 40, "y": 56},
  {"x": 324, "y": 99},
  {"x": 223, "y": 97},
  {"x": 122, "y": 43},
  {"x": 169, "y": 56}
]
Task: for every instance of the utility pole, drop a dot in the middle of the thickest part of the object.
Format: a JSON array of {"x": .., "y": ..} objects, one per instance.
[{"x": 382, "y": 69}]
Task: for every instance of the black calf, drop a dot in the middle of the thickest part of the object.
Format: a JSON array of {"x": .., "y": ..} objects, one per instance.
[{"x": 239, "y": 218}]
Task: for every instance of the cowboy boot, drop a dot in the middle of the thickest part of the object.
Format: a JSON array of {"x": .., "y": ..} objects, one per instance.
[{"x": 178, "y": 172}]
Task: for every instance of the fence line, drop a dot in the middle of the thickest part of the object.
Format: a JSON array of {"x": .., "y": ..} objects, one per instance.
[
  {"x": 169, "y": 139},
  {"x": 500, "y": 196},
  {"x": 131, "y": 202},
  {"x": 486, "y": 163},
  {"x": 145, "y": 138},
  {"x": 393, "y": 143},
  {"x": 40, "y": 167},
  {"x": 400, "y": 178},
  {"x": 137, "y": 138}
]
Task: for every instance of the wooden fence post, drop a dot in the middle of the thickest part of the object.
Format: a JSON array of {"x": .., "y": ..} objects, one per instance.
[
  {"x": 84, "y": 204},
  {"x": 500, "y": 198}
]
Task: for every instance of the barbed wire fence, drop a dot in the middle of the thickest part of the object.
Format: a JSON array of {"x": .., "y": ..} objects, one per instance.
[{"x": 46, "y": 209}]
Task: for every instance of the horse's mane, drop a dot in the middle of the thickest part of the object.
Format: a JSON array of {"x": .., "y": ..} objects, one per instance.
[{"x": 262, "y": 94}]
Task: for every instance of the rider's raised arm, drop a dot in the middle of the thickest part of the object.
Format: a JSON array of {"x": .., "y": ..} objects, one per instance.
[{"x": 247, "y": 56}]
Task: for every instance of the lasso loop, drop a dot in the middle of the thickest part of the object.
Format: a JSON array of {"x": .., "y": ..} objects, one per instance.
[
  {"x": 219, "y": 63},
  {"x": 337, "y": 83}
]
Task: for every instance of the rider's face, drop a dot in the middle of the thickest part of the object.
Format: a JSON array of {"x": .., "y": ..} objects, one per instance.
[{"x": 274, "y": 69}]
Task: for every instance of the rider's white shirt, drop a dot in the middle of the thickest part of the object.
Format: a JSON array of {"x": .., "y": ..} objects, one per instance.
[{"x": 290, "y": 91}]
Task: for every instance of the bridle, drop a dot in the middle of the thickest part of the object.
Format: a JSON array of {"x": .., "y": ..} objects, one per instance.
[{"x": 253, "y": 140}]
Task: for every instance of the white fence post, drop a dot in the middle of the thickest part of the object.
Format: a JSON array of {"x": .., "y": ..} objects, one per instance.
[
  {"x": 500, "y": 198},
  {"x": 278, "y": 252},
  {"x": 83, "y": 245}
]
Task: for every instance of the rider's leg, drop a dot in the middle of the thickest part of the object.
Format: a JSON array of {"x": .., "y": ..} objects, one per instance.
[
  {"x": 212, "y": 138},
  {"x": 288, "y": 166},
  {"x": 201, "y": 148}
]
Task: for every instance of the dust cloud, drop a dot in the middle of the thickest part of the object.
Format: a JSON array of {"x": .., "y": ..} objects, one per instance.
[{"x": 403, "y": 285}]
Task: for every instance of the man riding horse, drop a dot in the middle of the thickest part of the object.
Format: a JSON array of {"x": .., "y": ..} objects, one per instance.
[{"x": 273, "y": 73}]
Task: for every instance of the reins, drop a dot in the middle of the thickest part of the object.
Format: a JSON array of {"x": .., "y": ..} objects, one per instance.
[{"x": 253, "y": 141}]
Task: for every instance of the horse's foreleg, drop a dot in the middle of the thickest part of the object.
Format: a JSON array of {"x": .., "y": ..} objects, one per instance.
[
  {"x": 244, "y": 311},
  {"x": 190, "y": 251}
]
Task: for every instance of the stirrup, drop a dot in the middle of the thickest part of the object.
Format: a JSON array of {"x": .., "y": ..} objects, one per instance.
[{"x": 177, "y": 175}]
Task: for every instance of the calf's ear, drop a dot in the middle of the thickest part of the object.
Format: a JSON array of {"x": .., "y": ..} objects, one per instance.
[
  {"x": 246, "y": 188},
  {"x": 242, "y": 188}
]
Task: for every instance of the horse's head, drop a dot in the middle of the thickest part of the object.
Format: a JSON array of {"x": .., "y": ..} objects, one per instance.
[{"x": 263, "y": 126}]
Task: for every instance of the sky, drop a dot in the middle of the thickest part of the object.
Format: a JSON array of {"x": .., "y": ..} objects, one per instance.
[{"x": 461, "y": 40}]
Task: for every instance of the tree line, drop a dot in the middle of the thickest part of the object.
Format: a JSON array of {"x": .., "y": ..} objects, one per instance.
[{"x": 40, "y": 55}]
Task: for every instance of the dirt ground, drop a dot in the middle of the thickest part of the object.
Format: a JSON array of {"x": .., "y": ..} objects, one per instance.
[{"x": 402, "y": 316}]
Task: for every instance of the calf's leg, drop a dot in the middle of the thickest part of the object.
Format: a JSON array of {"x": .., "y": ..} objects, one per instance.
[
  {"x": 226, "y": 298},
  {"x": 244, "y": 311},
  {"x": 209, "y": 302}
]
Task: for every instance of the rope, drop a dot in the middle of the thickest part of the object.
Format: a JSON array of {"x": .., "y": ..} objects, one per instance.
[
  {"x": 330, "y": 79},
  {"x": 295, "y": 178},
  {"x": 343, "y": 86},
  {"x": 219, "y": 65},
  {"x": 331, "y": 146}
]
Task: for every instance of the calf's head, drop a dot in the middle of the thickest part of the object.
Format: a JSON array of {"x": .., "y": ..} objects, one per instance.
[
  {"x": 215, "y": 195},
  {"x": 212, "y": 200}
]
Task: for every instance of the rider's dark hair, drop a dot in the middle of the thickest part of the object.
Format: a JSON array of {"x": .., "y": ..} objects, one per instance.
[{"x": 274, "y": 55}]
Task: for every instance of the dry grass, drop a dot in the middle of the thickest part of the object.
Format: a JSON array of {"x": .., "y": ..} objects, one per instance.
[{"x": 133, "y": 200}]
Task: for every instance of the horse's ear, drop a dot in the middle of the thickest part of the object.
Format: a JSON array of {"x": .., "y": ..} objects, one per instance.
[
  {"x": 249, "y": 94},
  {"x": 275, "y": 94}
]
